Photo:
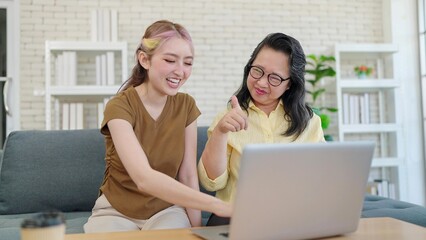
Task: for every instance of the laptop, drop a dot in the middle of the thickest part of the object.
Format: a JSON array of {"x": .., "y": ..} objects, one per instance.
[{"x": 297, "y": 191}]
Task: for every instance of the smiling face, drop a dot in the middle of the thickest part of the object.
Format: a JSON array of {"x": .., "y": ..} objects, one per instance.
[
  {"x": 169, "y": 67},
  {"x": 265, "y": 96}
]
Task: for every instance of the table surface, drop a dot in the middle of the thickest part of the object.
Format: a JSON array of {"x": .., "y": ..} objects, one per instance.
[{"x": 368, "y": 228}]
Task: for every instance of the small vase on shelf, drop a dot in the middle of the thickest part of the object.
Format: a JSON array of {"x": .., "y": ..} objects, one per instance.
[{"x": 362, "y": 75}]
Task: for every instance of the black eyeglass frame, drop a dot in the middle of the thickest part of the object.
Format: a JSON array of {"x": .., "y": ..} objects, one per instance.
[{"x": 268, "y": 76}]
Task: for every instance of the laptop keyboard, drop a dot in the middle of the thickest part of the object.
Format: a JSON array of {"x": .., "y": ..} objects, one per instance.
[{"x": 225, "y": 234}]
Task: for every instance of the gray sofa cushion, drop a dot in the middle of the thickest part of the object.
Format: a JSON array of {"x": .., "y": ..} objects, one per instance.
[
  {"x": 376, "y": 206},
  {"x": 201, "y": 140},
  {"x": 201, "y": 143},
  {"x": 42, "y": 170}
]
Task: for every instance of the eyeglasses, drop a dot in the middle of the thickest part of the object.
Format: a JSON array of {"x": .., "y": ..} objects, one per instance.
[{"x": 273, "y": 79}]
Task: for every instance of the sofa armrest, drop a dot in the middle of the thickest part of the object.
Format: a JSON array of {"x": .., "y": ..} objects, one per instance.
[{"x": 377, "y": 206}]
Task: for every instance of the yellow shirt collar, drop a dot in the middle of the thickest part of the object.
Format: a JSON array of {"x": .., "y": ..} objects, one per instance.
[{"x": 255, "y": 108}]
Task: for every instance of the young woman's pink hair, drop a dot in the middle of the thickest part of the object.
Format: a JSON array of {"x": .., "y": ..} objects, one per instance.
[{"x": 155, "y": 35}]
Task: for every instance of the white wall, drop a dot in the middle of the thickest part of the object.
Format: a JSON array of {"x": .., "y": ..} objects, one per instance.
[{"x": 225, "y": 32}]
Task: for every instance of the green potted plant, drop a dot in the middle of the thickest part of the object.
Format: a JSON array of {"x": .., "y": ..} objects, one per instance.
[
  {"x": 319, "y": 68},
  {"x": 363, "y": 71}
]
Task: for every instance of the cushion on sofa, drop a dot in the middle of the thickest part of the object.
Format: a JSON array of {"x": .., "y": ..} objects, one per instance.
[
  {"x": 45, "y": 170},
  {"x": 377, "y": 206}
]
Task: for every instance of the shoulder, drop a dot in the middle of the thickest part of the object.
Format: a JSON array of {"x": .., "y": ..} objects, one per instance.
[
  {"x": 122, "y": 106},
  {"x": 314, "y": 122},
  {"x": 123, "y": 97},
  {"x": 183, "y": 100},
  {"x": 184, "y": 105},
  {"x": 314, "y": 128},
  {"x": 315, "y": 118},
  {"x": 126, "y": 101}
]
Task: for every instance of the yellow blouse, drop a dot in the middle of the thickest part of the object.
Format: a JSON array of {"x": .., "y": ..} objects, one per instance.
[{"x": 261, "y": 129}]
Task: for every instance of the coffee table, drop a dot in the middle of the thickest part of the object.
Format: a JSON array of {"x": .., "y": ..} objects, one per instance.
[{"x": 369, "y": 228}]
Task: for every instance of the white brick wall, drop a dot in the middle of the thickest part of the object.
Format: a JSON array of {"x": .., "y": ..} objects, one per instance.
[{"x": 224, "y": 32}]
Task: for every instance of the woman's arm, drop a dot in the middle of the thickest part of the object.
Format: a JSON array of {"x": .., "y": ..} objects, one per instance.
[
  {"x": 156, "y": 183},
  {"x": 188, "y": 170},
  {"x": 214, "y": 154}
]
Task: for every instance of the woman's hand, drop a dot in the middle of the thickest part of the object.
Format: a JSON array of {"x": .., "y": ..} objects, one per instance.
[
  {"x": 233, "y": 121},
  {"x": 223, "y": 209}
]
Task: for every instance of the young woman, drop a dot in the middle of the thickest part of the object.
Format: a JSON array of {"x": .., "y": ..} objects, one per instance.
[
  {"x": 150, "y": 131},
  {"x": 269, "y": 107}
]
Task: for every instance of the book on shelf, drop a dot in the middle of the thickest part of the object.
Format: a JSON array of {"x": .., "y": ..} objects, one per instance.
[
  {"x": 101, "y": 107},
  {"x": 114, "y": 24},
  {"x": 98, "y": 25},
  {"x": 66, "y": 68},
  {"x": 372, "y": 188},
  {"x": 79, "y": 116},
  {"x": 72, "y": 116},
  {"x": 65, "y": 116},
  {"x": 105, "y": 72},
  {"x": 98, "y": 69},
  {"x": 73, "y": 113},
  {"x": 381, "y": 187},
  {"x": 346, "y": 108},
  {"x": 93, "y": 25},
  {"x": 110, "y": 68},
  {"x": 366, "y": 110},
  {"x": 103, "y": 69},
  {"x": 104, "y": 24},
  {"x": 356, "y": 108}
]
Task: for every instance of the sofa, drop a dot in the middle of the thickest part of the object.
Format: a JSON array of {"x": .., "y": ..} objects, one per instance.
[{"x": 63, "y": 169}]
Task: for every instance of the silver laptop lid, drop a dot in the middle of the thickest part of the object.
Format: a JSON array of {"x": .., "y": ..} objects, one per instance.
[{"x": 297, "y": 191}]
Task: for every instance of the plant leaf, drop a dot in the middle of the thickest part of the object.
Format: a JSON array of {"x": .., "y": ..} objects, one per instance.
[
  {"x": 324, "y": 58},
  {"x": 312, "y": 56},
  {"x": 331, "y": 109},
  {"x": 325, "y": 121},
  {"x": 318, "y": 92},
  {"x": 328, "y": 137},
  {"x": 312, "y": 82},
  {"x": 316, "y": 111}
]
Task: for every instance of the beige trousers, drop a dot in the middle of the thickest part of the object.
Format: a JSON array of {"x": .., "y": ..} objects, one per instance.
[{"x": 105, "y": 218}]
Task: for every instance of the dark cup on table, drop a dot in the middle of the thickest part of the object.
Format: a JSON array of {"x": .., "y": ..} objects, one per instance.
[{"x": 45, "y": 225}]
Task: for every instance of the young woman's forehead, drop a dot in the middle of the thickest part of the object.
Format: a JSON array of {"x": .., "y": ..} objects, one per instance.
[{"x": 176, "y": 46}]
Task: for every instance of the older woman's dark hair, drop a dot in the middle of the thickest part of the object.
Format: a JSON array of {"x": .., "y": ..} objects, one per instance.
[{"x": 297, "y": 112}]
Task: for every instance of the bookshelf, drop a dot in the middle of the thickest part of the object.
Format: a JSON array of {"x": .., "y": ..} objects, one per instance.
[
  {"x": 80, "y": 77},
  {"x": 368, "y": 110}
]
